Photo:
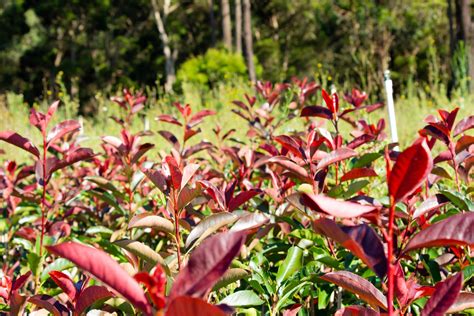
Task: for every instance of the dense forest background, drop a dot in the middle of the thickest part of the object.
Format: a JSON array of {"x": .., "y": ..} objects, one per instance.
[{"x": 103, "y": 45}]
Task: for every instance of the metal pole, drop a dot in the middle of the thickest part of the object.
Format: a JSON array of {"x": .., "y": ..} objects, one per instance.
[{"x": 391, "y": 108}]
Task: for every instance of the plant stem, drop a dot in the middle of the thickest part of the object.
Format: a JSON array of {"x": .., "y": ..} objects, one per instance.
[
  {"x": 390, "y": 257},
  {"x": 178, "y": 238},
  {"x": 43, "y": 199}
]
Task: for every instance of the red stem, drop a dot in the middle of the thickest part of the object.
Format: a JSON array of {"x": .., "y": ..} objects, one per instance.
[
  {"x": 43, "y": 199},
  {"x": 390, "y": 257}
]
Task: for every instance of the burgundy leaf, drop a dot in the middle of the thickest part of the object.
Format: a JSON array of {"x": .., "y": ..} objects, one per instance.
[
  {"x": 170, "y": 138},
  {"x": 360, "y": 140},
  {"x": 464, "y": 142},
  {"x": 188, "y": 133},
  {"x": 104, "y": 268},
  {"x": 19, "y": 141},
  {"x": 446, "y": 293},
  {"x": 456, "y": 230},
  {"x": 61, "y": 130},
  {"x": 191, "y": 306},
  {"x": 51, "y": 110},
  {"x": 158, "y": 179},
  {"x": 464, "y": 125},
  {"x": 333, "y": 207},
  {"x": 316, "y": 110},
  {"x": 50, "y": 304},
  {"x": 241, "y": 198},
  {"x": 356, "y": 311},
  {"x": 149, "y": 220},
  {"x": 361, "y": 240},
  {"x": 250, "y": 221},
  {"x": 357, "y": 173},
  {"x": 20, "y": 281},
  {"x": 65, "y": 283},
  {"x": 176, "y": 175},
  {"x": 38, "y": 120},
  {"x": 191, "y": 150},
  {"x": 187, "y": 195},
  {"x": 199, "y": 116},
  {"x": 207, "y": 264},
  {"x": 142, "y": 149},
  {"x": 335, "y": 156},
  {"x": 168, "y": 119},
  {"x": 464, "y": 301},
  {"x": 292, "y": 167},
  {"x": 410, "y": 170},
  {"x": 291, "y": 145},
  {"x": 188, "y": 173},
  {"x": 357, "y": 285},
  {"x": 72, "y": 157},
  {"x": 89, "y": 296},
  {"x": 431, "y": 203}
]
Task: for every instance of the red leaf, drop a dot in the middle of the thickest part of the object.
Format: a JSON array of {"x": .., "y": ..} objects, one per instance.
[
  {"x": 291, "y": 145},
  {"x": 333, "y": 207},
  {"x": 168, "y": 119},
  {"x": 20, "y": 281},
  {"x": 316, "y": 110},
  {"x": 72, "y": 157},
  {"x": 50, "y": 304},
  {"x": 158, "y": 179},
  {"x": 464, "y": 301},
  {"x": 89, "y": 296},
  {"x": 335, "y": 156},
  {"x": 329, "y": 101},
  {"x": 104, "y": 268},
  {"x": 207, "y": 264},
  {"x": 358, "y": 285},
  {"x": 241, "y": 198},
  {"x": 61, "y": 130},
  {"x": 188, "y": 173},
  {"x": 65, "y": 283},
  {"x": 430, "y": 204},
  {"x": 19, "y": 141},
  {"x": 454, "y": 231},
  {"x": 464, "y": 125},
  {"x": 358, "y": 173},
  {"x": 361, "y": 240},
  {"x": 142, "y": 149},
  {"x": 199, "y": 116},
  {"x": 356, "y": 311},
  {"x": 188, "y": 133},
  {"x": 38, "y": 120},
  {"x": 170, "y": 138},
  {"x": 292, "y": 167},
  {"x": 446, "y": 293},
  {"x": 176, "y": 175},
  {"x": 410, "y": 170},
  {"x": 191, "y": 306}
]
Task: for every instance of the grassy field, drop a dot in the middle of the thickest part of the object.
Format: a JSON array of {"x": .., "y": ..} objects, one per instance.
[{"x": 410, "y": 111}]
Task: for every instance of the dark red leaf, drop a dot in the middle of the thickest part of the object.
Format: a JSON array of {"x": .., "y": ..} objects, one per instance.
[
  {"x": 176, "y": 175},
  {"x": 358, "y": 285},
  {"x": 464, "y": 125},
  {"x": 168, "y": 119},
  {"x": 360, "y": 140},
  {"x": 410, "y": 170},
  {"x": 335, "y": 156},
  {"x": 361, "y": 240},
  {"x": 191, "y": 150},
  {"x": 50, "y": 304},
  {"x": 142, "y": 149},
  {"x": 72, "y": 157},
  {"x": 61, "y": 130},
  {"x": 170, "y": 138},
  {"x": 241, "y": 198},
  {"x": 292, "y": 167},
  {"x": 188, "y": 173},
  {"x": 356, "y": 311},
  {"x": 207, "y": 264},
  {"x": 357, "y": 173},
  {"x": 333, "y": 207},
  {"x": 464, "y": 301},
  {"x": 104, "y": 268},
  {"x": 199, "y": 116},
  {"x": 456, "y": 230},
  {"x": 158, "y": 179},
  {"x": 20, "y": 281},
  {"x": 191, "y": 306},
  {"x": 89, "y": 296},
  {"x": 446, "y": 293},
  {"x": 65, "y": 283},
  {"x": 291, "y": 145},
  {"x": 430, "y": 204},
  {"x": 316, "y": 110},
  {"x": 19, "y": 141}
]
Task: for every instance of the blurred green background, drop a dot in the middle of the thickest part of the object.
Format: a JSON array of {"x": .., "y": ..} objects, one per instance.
[{"x": 199, "y": 52}]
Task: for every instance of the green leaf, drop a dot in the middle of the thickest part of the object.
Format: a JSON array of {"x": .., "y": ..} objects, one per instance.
[
  {"x": 458, "y": 200},
  {"x": 243, "y": 299},
  {"x": 34, "y": 262},
  {"x": 290, "y": 265},
  {"x": 59, "y": 264},
  {"x": 366, "y": 159},
  {"x": 468, "y": 273}
]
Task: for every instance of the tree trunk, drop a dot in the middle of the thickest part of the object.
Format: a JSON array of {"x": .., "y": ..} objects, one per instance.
[
  {"x": 248, "y": 40},
  {"x": 169, "y": 56},
  {"x": 238, "y": 26},
  {"x": 226, "y": 24},
  {"x": 212, "y": 22},
  {"x": 452, "y": 45}
]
